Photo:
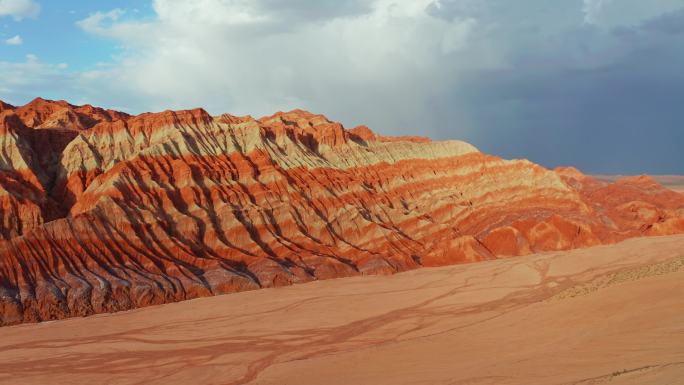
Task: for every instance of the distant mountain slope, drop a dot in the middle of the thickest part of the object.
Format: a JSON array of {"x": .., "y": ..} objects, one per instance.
[
  {"x": 102, "y": 211},
  {"x": 673, "y": 182}
]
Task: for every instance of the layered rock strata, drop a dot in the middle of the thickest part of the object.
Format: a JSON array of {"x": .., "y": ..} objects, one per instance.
[{"x": 102, "y": 211}]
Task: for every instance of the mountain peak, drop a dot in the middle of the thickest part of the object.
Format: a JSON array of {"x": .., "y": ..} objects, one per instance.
[
  {"x": 301, "y": 125},
  {"x": 311, "y": 129},
  {"x": 234, "y": 119},
  {"x": 5, "y": 106},
  {"x": 47, "y": 104},
  {"x": 363, "y": 132},
  {"x": 295, "y": 116}
]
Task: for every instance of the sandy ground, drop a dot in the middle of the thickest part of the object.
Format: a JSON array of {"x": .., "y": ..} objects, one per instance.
[{"x": 606, "y": 315}]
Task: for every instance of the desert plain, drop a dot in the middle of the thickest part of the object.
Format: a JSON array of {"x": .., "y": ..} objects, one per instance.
[
  {"x": 602, "y": 315},
  {"x": 672, "y": 182}
]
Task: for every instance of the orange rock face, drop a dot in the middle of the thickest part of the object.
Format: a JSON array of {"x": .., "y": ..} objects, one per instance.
[{"x": 101, "y": 211}]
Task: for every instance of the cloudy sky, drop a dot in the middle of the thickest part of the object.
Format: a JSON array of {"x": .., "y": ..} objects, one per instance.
[{"x": 594, "y": 83}]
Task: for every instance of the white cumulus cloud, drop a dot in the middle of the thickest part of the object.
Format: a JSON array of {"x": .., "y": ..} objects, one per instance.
[
  {"x": 592, "y": 9},
  {"x": 19, "y": 9},
  {"x": 15, "y": 40},
  {"x": 96, "y": 21},
  {"x": 342, "y": 58},
  {"x": 385, "y": 63},
  {"x": 24, "y": 80}
]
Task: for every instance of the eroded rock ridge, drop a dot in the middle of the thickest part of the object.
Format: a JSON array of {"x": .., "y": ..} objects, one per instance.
[{"x": 103, "y": 211}]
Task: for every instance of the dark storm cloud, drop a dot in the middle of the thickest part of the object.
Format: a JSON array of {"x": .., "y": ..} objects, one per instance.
[
  {"x": 608, "y": 100},
  {"x": 506, "y": 12},
  {"x": 624, "y": 119},
  {"x": 672, "y": 23}
]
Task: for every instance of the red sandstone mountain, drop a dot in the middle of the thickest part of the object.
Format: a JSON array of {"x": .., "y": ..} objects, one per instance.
[{"x": 102, "y": 211}]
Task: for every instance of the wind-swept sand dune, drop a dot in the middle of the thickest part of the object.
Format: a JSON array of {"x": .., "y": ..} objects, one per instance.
[{"x": 609, "y": 314}]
